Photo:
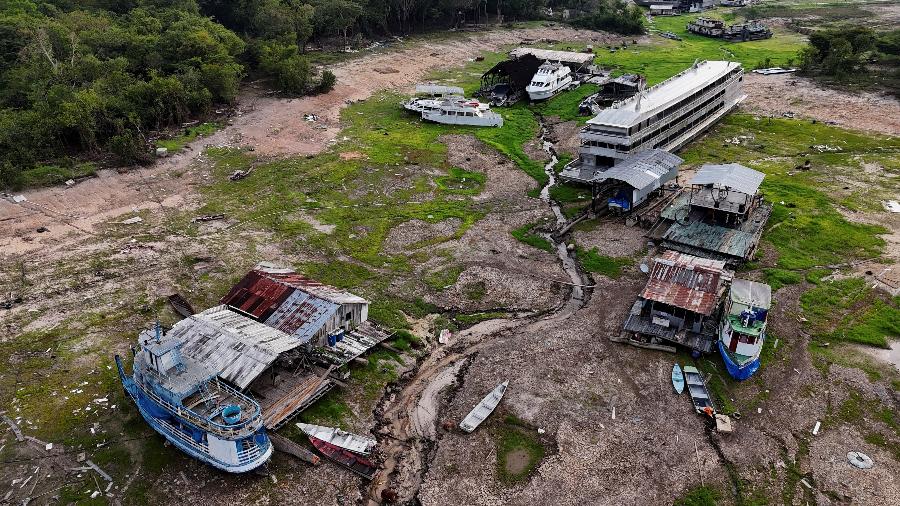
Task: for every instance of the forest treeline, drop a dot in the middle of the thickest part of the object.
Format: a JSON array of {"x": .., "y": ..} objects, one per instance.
[{"x": 91, "y": 78}]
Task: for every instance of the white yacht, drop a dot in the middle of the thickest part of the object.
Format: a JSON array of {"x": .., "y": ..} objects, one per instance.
[
  {"x": 430, "y": 96},
  {"x": 462, "y": 111},
  {"x": 550, "y": 79}
]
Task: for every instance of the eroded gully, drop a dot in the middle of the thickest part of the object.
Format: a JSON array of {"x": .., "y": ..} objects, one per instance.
[{"x": 407, "y": 416}]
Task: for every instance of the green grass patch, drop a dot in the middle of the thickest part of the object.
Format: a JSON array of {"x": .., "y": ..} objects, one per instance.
[
  {"x": 565, "y": 105},
  {"x": 777, "y": 278},
  {"x": 48, "y": 175},
  {"x": 611, "y": 267},
  {"x": 330, "y": 410},
  {"x": 473, "y": 318},
  {"x": 566, "y": 193},
  {"x": 518, "y": 451},
  {"x": 187, "y": 136},
  {"x": 444, "y": 278},
  {"x": 849, "y": 310},
  {"x": 699, "y": 496},
  {"x": 525, "y": 235},
  {"x": 475, "y": 291},
  {"x": 462, "y": 182},
  {"x": 662, "y": 58}
]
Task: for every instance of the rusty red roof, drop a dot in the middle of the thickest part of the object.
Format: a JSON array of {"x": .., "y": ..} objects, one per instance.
[
  {"x": 685, "y": 281},
  {"x": 287, "y": 301}
]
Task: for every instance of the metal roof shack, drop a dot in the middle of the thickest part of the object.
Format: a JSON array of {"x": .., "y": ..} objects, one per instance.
[
  {"x": 629, "y": 183},
  {"x": 295, "y": 304},
  {"x": 570, "y": 57},
  {"x": 731, "y": 176},
  {"x": 233, "y": 346},
  {"x": 721, "y": 217},
  {"x": 647, "y": 170},
  {"x": 687, "y": 282}
]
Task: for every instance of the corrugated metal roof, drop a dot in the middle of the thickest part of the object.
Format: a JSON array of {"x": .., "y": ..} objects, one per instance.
[
  {"x": 658, "y": 97},
  {"x": 687, "y": 282},
  {"x": 238, "y": 348},
  {"x": 644, "y": 169},
  {"x": 552, "y": 55},
  {"x": 730, "y": 175},
  {"x": 302, "y": 315},
  {"x": 287, "y": 301},
  {"x": 705, "y": 237},
  {"x": 751, "y": 293},
  {"x": 301, "y": 282}
]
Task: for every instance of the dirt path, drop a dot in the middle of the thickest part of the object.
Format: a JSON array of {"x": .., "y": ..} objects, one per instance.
[{"x": 787, "y": 93}]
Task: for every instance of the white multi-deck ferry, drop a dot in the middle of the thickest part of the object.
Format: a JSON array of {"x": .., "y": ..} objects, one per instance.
[
  {"x": 550, "y": 79},
  {"x": 666, "y": 116}
]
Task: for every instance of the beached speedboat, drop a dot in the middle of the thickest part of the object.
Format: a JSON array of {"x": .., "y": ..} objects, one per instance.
[
  {"x": 430, "y": 96},
  {"x": 462, "y": 111},
  {"x": 192, "y": 408},
  {"x": 550, "y": 79},
  {"x": 742, "y": 330}
]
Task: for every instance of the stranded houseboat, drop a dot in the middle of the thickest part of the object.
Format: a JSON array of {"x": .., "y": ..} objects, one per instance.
[
  {"x": 461, "y": 111},
  {"x": 742, "y": 330},
  {"x": 192, "y": 408},
  {"x": 550, "y": 79}
]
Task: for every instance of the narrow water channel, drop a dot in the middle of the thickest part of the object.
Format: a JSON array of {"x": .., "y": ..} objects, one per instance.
[
  {"x": 578, "y": 296},
  {"x": 408, "y": 418}
]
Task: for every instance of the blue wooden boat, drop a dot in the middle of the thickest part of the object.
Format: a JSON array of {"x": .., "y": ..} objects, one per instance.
[
  {"x": 192, "y": 408},
  {"x": 677, "y": 378},
  {"x": 742, "y": 330}
]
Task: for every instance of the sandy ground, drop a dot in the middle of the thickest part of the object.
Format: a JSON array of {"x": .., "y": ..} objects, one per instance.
[{"x": 786, "y": 93}]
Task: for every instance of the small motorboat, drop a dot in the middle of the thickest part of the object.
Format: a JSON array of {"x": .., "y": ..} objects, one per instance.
[
  {"x": 350, "y": 442},
  {"x": 359, "y": 465},
  {"x": 677, "y": 378},
  {"x": 484, "y": 408}
]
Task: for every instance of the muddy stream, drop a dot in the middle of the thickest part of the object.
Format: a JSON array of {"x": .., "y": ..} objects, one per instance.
[{"x": 409, "y": 413}]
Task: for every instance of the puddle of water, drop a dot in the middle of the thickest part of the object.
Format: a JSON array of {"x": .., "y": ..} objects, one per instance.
[
  {"x": 890, "y": 355},
  {"x": 517, "y": 461}
]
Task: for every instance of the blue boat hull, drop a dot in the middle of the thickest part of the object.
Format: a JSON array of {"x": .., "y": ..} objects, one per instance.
[
  {"x": 738, "y": 371},
  {"x": 167, "y": 425}
]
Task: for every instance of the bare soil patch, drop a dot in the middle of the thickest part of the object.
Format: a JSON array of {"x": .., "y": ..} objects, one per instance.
[{"x": 787, "y": 93}]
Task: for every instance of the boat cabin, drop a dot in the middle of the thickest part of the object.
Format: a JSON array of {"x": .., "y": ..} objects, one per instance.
[{"x": 745, "y": 313}]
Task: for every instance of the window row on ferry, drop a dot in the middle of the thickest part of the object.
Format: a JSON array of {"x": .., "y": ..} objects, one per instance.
[{"x": 699, "y": 109}]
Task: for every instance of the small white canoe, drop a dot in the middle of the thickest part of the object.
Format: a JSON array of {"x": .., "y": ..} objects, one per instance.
[
  {"x": 351, "y": 442},
  {"x": 484, "y": 408},
  {"x": 677, "y": 378}
]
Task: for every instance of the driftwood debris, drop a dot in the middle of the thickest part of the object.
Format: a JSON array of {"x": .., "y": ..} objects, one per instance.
[
  {"x": 285, "y": 445},
  {"x": 15, "y": 428}
]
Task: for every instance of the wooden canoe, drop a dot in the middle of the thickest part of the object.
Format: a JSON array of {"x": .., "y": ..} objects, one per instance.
[{"x": 484, "y": 408}]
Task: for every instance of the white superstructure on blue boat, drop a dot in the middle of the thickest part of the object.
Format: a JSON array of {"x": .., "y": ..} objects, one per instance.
[{"x": 190, "y": 406}]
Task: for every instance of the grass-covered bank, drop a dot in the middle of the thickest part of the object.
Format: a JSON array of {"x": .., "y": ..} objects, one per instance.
[{"x": 663, "y": 57}]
